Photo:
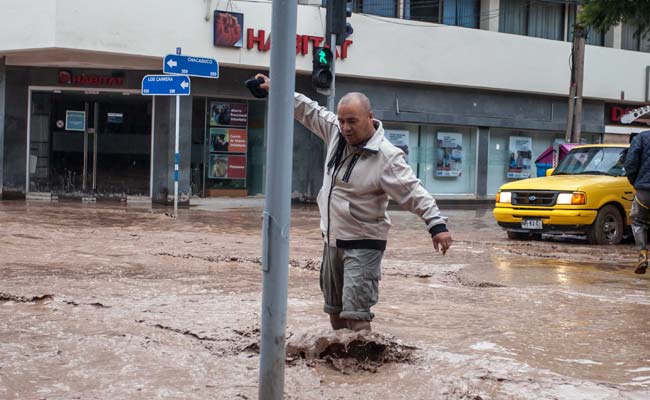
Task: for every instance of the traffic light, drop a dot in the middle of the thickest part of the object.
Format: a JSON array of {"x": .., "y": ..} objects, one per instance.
[
  {"x": 321, "y": 75},
  {"x": 337, "y": 13}
]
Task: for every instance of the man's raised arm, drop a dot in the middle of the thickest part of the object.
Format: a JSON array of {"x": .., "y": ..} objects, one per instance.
[{"x": 314, "y": 117}]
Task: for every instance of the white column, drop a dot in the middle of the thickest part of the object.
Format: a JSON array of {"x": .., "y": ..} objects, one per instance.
[
  {"x": 614, "y": 36},
  {"x": 489, "y": 18}
]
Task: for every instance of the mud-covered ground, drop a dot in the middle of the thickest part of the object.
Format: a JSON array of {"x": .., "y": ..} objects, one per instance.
[{"x": 114, "y": 302}]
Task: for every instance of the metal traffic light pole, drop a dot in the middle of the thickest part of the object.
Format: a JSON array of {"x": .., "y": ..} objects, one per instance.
[
  {"x": 336, "y": 31},
  {"x": 332, "y": 95}
]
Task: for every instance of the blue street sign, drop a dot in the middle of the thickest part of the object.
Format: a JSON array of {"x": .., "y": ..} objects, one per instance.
[
  {"x": 193, "y": 66},
  {"x": 166, "y": 85}
]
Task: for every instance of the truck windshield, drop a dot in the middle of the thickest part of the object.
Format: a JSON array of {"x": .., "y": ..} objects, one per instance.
[{"x": 593, "y": 161}]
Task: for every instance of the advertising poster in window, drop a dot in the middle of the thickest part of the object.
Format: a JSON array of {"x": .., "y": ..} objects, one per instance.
[
  {"x": 228, "y": 114},
  {"x": 228, "y": 29},
  {"x": 227, "y": 166},
  {"x": 238, "y": 140},
  {"x": 228, "y": 140},
  {"x": 219, "y": 139},
  {"x": 449, "y": 161},
  {"x": 520, "y": 158},
  {"x": 399, "y": 139}
]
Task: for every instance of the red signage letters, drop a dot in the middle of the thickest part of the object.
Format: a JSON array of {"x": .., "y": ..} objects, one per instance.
[
  {"x": 68, "y": 78},
  {"x": 302, "y": 43}
]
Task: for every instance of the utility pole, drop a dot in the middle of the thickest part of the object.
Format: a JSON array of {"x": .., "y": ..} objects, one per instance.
[
  {"x": 574, "y": 111},
  {"x": 332, "y": 96},
  {"x": 277, "y": 208}
]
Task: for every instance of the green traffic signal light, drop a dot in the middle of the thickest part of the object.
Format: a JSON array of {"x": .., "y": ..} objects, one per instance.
[{"x": 321, "y": 75}]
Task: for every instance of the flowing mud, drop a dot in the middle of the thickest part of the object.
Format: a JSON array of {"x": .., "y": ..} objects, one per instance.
[
  {"x": 347, "y": 351},
  {"x": 105, "y": 301}
]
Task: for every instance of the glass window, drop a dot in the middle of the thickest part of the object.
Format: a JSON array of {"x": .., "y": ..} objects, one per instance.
[
  {"x": 448, "y": 162},
  {"x": 422, "y": 10},
  {"x": 197, "y": 152},
  {"x": 40, "y": 140},
  {"x": 594, "y": 37},
  {"x": 384, "y": 8},
  {"x": 443, "y": 158},
  {"x": 628, "y": 40},
  {"x": 461, "y": 13},
  {"x": 532, "y": 18},
  {"x": 506, "y": 155},
  {"x": 406, "y": 137},
  {"x": 513, "y": 16},
  {"x": 546, "y": 20},
  {"x": 226, "y": 146},
  {"x": 594, "y": 161},
  {"x": 256, "y": 160}
]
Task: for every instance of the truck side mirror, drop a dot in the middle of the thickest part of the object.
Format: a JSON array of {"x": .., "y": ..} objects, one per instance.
[{"x": 549, "y": 171}]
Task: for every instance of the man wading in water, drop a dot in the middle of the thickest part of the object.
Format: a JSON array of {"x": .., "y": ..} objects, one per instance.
[{"x": 362, "y": 169}]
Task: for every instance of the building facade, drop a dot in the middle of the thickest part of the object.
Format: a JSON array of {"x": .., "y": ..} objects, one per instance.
[{"x": 472, "y": 90}]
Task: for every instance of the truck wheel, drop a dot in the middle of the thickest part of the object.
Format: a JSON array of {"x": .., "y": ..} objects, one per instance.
[
  {"x": 607, "y": 227},
  {"x": 518, "y": 235}
]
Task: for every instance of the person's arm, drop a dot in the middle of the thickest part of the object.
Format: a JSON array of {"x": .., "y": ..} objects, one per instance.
[
  {"x": 314, "y": 117},
  {"x": 317, "y": 119},
  {"x": 401, "y": 184},
  {"x": 633, "y": 160}
]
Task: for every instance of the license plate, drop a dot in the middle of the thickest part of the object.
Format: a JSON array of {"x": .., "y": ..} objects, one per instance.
[{"x": 531, "y": 223}]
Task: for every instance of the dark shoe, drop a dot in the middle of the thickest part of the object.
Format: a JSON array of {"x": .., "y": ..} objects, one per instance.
[{"x": 642, "y": 264}]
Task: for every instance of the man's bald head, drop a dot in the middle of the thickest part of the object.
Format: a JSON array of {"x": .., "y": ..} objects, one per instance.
[
  {"x": 355, "y": 118},
  {"x": 356, "y": 98}
]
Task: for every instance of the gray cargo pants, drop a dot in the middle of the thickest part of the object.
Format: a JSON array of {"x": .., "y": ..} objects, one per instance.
[{"x": 349, "y": 280}]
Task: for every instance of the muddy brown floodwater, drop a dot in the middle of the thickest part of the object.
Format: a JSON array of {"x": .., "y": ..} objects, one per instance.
[{"x": 113, "y": 302}]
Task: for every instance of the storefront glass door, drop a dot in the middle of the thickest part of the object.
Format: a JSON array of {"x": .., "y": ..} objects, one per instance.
[{"x": 89, "y": 144}]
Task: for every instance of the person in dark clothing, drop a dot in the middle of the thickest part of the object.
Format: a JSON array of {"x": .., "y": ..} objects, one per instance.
[{"x": 637, "y": 170}]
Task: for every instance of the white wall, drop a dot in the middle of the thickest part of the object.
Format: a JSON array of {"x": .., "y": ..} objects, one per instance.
[
  {"x": 27, "y": 24},
  {"x": 387, "y": 49}
]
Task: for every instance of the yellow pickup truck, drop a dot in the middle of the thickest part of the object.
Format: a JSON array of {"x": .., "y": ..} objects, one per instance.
[{"x": 587, "y": 194}]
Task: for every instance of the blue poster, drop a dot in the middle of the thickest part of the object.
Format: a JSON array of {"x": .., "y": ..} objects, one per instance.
[{"x": 75, "y": 120}]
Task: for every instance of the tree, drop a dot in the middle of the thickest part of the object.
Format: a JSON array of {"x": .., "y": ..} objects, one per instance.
[{"x": 603, "y": 14}]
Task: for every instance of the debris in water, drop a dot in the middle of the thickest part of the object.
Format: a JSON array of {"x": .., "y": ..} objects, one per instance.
[
  {"x": 23, "y": 299},
  {"x": 349, "y": 351}
]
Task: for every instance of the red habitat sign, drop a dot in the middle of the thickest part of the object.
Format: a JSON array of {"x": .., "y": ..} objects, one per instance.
[
  {"x": 68, "y": 78},
  {"x": 304, "y": 43}
]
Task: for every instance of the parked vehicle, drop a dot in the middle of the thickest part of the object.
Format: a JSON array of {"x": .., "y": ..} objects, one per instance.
[{"x": 587, "y": 194}]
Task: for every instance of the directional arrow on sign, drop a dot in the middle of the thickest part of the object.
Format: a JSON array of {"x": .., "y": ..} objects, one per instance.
[
  {"x": 193, "y": 66},
  {"x": 166, "y": 85}
]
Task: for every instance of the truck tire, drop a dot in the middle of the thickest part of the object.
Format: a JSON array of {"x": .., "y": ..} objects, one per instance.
[
  {"x": 607, "y": 227},
  {"x": 512, "y": 235}
]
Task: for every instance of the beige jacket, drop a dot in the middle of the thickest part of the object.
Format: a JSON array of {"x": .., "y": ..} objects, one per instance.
[{"x": 355, "y": 191}]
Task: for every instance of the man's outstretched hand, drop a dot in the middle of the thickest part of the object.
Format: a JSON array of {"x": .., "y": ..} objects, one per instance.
[
  {"x": 267, "y": 82},
  {"x": 442, "y": 241}
]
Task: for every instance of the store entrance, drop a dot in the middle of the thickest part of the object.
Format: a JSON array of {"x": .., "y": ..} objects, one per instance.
[{"x": 90, "y": 144}]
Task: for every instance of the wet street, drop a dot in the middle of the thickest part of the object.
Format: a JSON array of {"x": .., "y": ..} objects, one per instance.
[{"x": 105, "y": 301}]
